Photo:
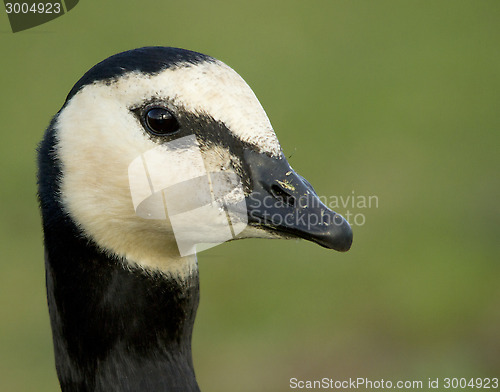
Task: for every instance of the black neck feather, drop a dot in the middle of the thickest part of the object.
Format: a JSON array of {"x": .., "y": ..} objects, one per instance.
[{"x": 115, "y": 328}]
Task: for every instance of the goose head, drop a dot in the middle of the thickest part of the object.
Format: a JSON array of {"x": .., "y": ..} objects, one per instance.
[{"x": 154, "y": 152}]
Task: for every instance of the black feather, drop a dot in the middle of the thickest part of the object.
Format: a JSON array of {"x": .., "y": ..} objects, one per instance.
[
  {"x": 115, "y": 328},
  {"x": 147, "y": 60}
]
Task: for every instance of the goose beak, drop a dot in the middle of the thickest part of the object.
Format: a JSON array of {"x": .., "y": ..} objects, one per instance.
[{"x": 284, "y": 202}]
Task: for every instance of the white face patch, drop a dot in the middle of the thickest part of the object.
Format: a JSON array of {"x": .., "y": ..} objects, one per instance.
[
  {"x": 210, "y": 88},
  {"x": 99, "y": 136},
  {"x": 205, "y": 208}
]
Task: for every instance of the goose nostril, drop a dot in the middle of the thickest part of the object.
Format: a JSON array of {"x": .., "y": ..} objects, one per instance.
[{"x": 282, "y": 195}]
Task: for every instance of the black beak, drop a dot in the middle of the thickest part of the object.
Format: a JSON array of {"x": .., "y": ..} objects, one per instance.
[{"x": 283, "y": 201}]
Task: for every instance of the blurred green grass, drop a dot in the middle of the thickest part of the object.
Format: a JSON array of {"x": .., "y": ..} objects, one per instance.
[{"x": 394, "y": 99}]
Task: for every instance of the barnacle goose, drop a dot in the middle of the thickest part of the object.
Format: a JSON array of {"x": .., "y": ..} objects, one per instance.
[{"x": 122, "y": 299}]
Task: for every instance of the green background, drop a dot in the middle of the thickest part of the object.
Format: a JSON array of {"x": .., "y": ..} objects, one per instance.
[{"x": 398, "y": 99}]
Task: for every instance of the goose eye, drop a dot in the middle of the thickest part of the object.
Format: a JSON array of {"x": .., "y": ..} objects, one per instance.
[{"x": 160, "y": 121}]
